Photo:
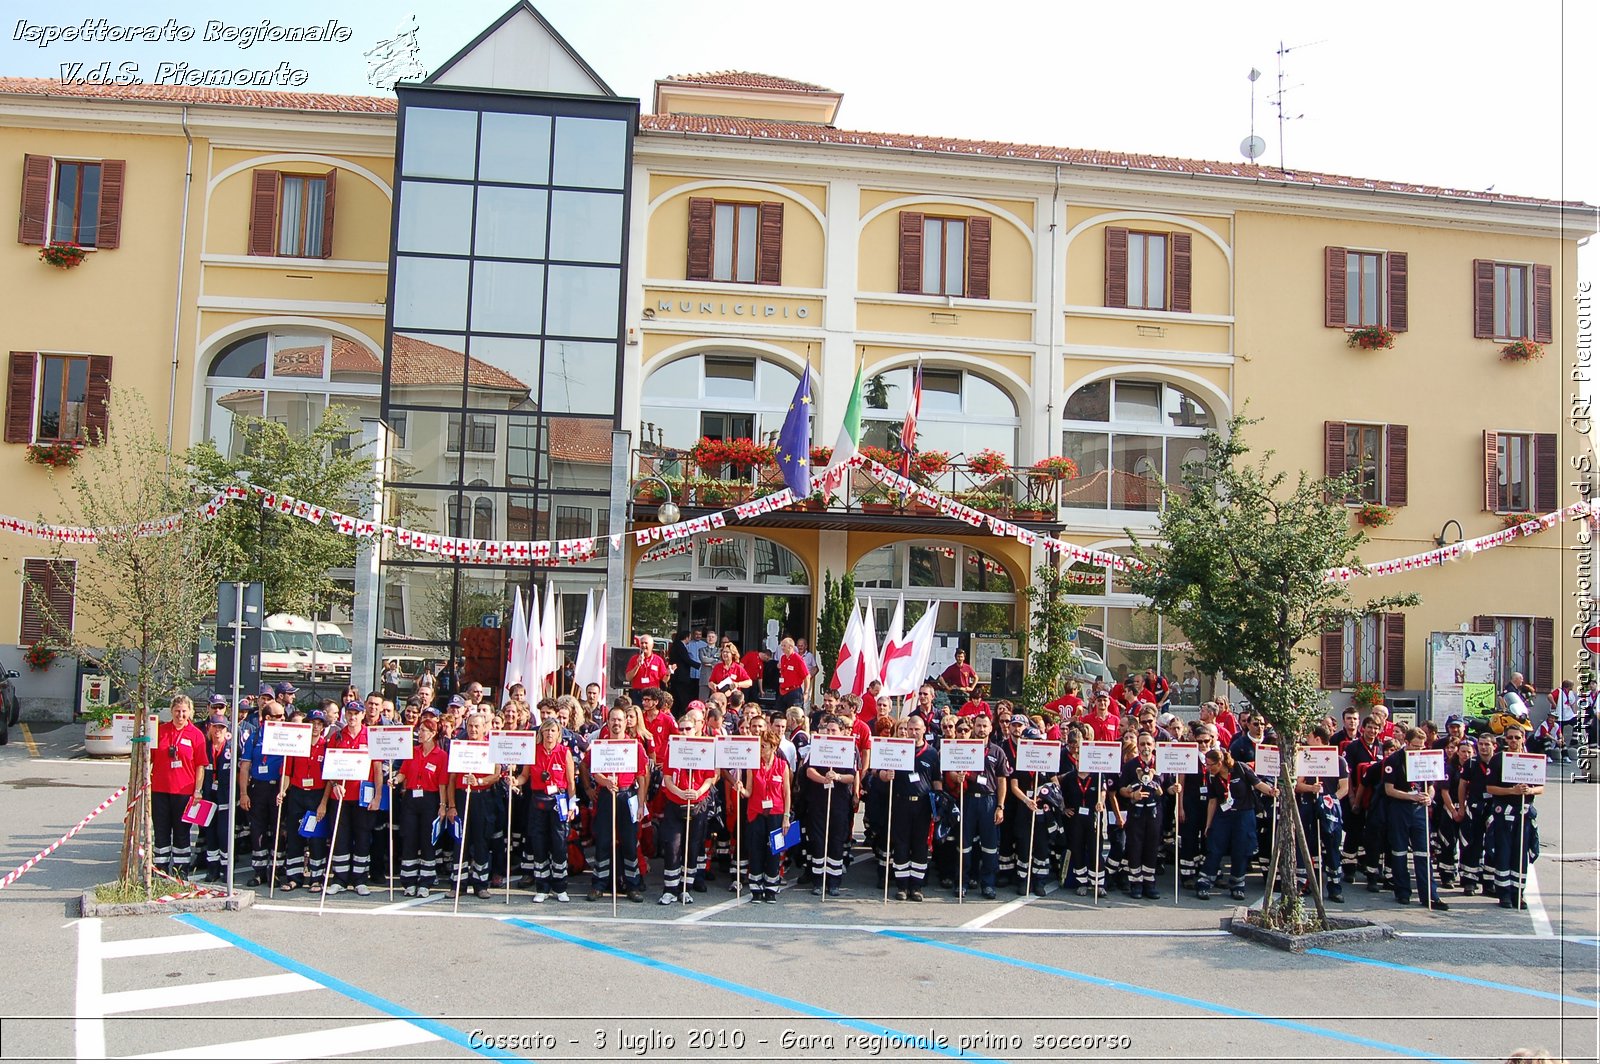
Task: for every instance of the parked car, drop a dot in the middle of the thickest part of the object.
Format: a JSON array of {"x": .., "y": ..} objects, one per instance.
[
  {"x": 1091, "y": 667},
  {"x": 10, "y": 711}
]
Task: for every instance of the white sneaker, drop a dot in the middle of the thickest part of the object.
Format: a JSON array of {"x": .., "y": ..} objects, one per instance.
[
  {"x": 423, "y": 892},
  {"x": 410, "y": 892},
  {"x": 333, "y": 888},
  {"x": 561, "y": 896},
  {"x": 363, "y": 890},
  {"x": 669, "y": 898},
  {"x": 688, "y": 899},
  {"x": 540, "y": 897}
]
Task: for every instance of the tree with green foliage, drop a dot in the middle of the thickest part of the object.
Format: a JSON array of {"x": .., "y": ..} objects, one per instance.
[
  {"x": 1053, "y": 625},
  {"x": 289, "y": 556},
  {"x": 838, "y": 599},
  {"x": 1241, "y": 569}
]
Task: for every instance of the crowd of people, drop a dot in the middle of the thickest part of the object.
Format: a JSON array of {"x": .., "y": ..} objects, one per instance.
[{"x": 541, "y": 826}]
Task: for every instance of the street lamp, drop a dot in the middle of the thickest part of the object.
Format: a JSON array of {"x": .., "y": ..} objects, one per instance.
[
  {"x": 667, "y": 513},
  {"x": 1439, "y": 541}
]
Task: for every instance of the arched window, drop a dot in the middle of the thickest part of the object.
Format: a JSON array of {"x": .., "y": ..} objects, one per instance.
[
  {"x": 725, "y": 561},
  {"x": 975, "y": 591},
  {"x": 471, "y": 516},
  {"x": 290, "y": 377},
  {"x": 721, "y": 394},
  {"x": 1127, "y": 436},
  {"x": 962, "y": 412}
]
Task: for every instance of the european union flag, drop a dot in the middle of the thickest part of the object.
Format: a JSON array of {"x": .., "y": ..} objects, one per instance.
[{"x": 794, "y": 442}]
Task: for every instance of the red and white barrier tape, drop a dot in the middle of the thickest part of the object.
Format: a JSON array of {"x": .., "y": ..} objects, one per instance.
[{"x": 16, "y": 874}]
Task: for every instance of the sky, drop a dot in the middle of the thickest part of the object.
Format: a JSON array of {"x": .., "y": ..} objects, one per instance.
[{"x": 1419, "y": 92}]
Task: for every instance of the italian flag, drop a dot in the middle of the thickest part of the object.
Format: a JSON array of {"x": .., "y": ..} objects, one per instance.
[{"x": 849, "y": 441}]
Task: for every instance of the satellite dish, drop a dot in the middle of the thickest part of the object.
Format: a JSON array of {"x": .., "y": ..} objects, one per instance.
[{"x": 1252, "y": 148}]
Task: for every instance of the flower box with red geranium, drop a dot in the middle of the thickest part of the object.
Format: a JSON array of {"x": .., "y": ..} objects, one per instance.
[
  {"x": 1030, "y": 511},
  {"x": 1055, "y": 467},
  {"x": 63, "y": 254},
  {"x": 925, "y": 465},
  {"x": 1374, "y": 516},
  {"x": 820, "y": 457},
  {"x": 1522, "y": 351},
  {"x": 988, "y": 463},
  {"x": 63, "y": 453},
  {"x": 882, "y": 455},
  {"x": 710, "y": 454},
  {"x": 1513, "y": 520},
  {"x": 39, "y": 656},
  {"x": 1371, "y": 337},
  {"x": 1367, "y": 695}
]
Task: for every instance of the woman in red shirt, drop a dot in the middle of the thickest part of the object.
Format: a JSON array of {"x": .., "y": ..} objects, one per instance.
[
  {"x": 552, "y": 801},
  {"x": 793, "y": 676},
  {"x": 175, "y": 764},
  {"x": 729, "y": 674},
  {"x": 420, "y": 776},
  {"x": 766, "y": 794}
]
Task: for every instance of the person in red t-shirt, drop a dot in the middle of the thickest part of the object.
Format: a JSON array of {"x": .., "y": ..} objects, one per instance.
[
  {"x": 614, "y": 797},
  {"x": 1069, "y": 704},
  {"x": 647, "y": 669},
  {"x": 685, "y": 812},
  {"x": 418, "y": 781},
  {"x": 352, "y": 841},
  {"x": 300, "y": 791},
  {"x": 754, "y": 668},
  {"x": 869, "y": 702},
  {"x": 1208, "y": 715},
  {"x": 175, "y": 763},
  {"x": 959, "y": 679},
  {"x": 660, "y": 722},
  {"x": 729, "y": 674},
  {"x": 792, "y": 676},
  {"x": 1102, "y": 720}
]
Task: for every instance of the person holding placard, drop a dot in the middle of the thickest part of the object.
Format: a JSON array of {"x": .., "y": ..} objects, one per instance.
[
  {"x": 1142, "y": 788},
  {"x": 551, "y": 786},
  {"x": 1512, "y": 818},
  {"x": 1194, "y": 792},
  {"x": 618, "y": 798},
  {"x": 686, "y": 810},
  {"x": 1230, "y": 821},
  {"x": 218, "y": 789},
  {"x": 1029, "y": 818},
  {"x": 765, "y": 791},
  {"x": 1084, "y": 794},
  {"x": 301, "y": 792},
  {"x": 984, "y": 813},
  {"x": 911, "y": 805},
  {"x": 1472, "y": 810},
  {"x": 1407, "y": 802},
  {"x": 1446, "y": 825},
  {"x": 352, "y": 843},
  {"x": 419, "y": 781},
  {"x": 259, "y": 773},
  {"x": 476, "y": 828},
  {"x": 830, "y": 795},
  {"x": 1322, "y": 816}
]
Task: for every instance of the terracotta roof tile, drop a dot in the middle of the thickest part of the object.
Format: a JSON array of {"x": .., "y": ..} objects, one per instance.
[
  {"x": 202, "y": 94},
  {"x": 583, "y": 439},
  {"x": 418, "y": 362},
  {"x": 760, "y": 129},
  {"x": 746, "y": 79}
]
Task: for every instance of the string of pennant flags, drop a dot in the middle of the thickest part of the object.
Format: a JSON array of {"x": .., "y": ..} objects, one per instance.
[{"x": 670, "y": 536}]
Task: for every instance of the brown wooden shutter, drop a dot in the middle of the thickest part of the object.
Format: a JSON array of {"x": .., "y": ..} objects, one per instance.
[
  {"x": 48, "y": 601},
  {"x": 911, "y": 252},
  {"x": 1394, "y": 651},
  {"x": 1333, "y": 289},
  {"x": 1182, "y": 273},
  {"x": 769, "y": 249},
  {"x": 108, "y": 228},
  {"x": 701, "y": 211},
  {"x": 327, "y": 213},
  {"x": 1333, "y": 659},
  {"x": 1333, "y": 444},
  {"x": 1396, "y": 473},
  {"x": 19, "y": 396},
  {"x": 1116, "y": 266},
  {"x": 1544, "y": 653},
  {"x": 1543, "y": 306},
  {"x": 97, "y": 400},
  {"x": 1483, "y": 298},
  {"x": 1491, "y": 471},
  {"x": 1399, "y": 309},
  {"x": 1483, "y": 624},
  {"x": 1546, "y": 485},
  {"x": 35, "y": 212},
  {"x": 264, "y": 212},
  {"x": 978, "y": 239}
]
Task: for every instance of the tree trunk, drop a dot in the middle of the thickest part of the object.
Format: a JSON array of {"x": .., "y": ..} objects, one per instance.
[{"x": 1315, "y": 876}]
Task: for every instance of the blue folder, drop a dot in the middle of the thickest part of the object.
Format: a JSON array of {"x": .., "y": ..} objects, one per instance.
[{"x": 780, "y": 841}]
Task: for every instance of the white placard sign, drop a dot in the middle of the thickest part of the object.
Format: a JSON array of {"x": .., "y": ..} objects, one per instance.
[
  {"x": 692, "y": 752},
  {"x": 1268, "y": 762},
  {"x": 347, "y": 765},
  {"x": 1100, "y": 757},
  {"x": 611, "y": 756},
  {"x": 470, "y": 755},
  {"x": 122, "y": 728},
  {"x": 961, "y": 755},
  {"x": 389, "y": 741},
  {"x": 281, "y": 738},
  {"x": 1177, "y": 759},
  {"x": 1317, "y": 761},
  {"x": 738, "y": 751},
  {"x": 893, "y": 754},
  {"x": 1522, "y": 768},
  {"x": 1038, "y": 755},
  {"x": 1424, "y": 766},
  {"x": 832, "y": 751},
  {"x": 513, "y": 747}
]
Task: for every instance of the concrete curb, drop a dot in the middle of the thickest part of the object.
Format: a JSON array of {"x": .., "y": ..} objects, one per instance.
[
  {"x": 241, "y": 900},
  {"x": 1346, "y": 931}
]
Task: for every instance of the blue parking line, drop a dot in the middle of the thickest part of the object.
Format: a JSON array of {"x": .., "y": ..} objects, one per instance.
[
  {"x": 1176, "y": 999},
  {"x": 1452, "y": 977},
  {"x": 354, "y": 993},
  {"x": 914, "y": 1042}
]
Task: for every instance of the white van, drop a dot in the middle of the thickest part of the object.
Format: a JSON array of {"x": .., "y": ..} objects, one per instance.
[
  {"x": 333, "y": 651},
  {"x": 288, "y": 644}
]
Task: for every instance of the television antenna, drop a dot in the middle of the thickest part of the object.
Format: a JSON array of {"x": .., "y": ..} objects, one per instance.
[
  {"x": 1278, "y": 97},
  {"x": 1252, "y": 146}
]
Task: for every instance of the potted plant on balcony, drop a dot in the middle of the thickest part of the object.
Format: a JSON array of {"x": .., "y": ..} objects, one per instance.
[
  {"x": 991, "y": 502},
  {"x": 1031, "y": 510},
  {"x": 988, "y": 463},
  {"x": 817, "y": 501},
  {"x": 1373, "y": 515},
  {"x": 1055, "y": 467},
  {"x": 926, "y": 466},
  {"x": 1522, "y": 351},
  {"x": 820, "y": 457},
  {"x": 882, "y": 455},
  {"x": 649, "y": 492},
  {"x": 1366, "y": 696},
  {"x": 1513, "y": 520},
  {"x": 876, "y": 500},
  {"x": 1371, "y": 337},
  {"x": 63, "y": 254},
  {"x": 63, "y": 453}
]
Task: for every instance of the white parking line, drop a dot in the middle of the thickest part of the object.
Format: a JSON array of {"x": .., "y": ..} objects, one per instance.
[
  {"x": 1541, "y": 919},
  {"x": 720, "y": 907},
  {"x": 411, "y": 903},
  {"x": 90, "y": 1027},
  {"x": 307, "y": 1045},
  {"x": 151, "y": 947},
  {"x": 184, "y": 995},
  {"x": 996, "y": 913}
]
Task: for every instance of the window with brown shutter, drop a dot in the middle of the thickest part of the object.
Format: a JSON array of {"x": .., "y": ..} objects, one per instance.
[
  {"x": 1394, "y": 651},
  {"x": 1182, "y": 299},
  {"x": 739, "y": 243},
  {"x": 1332, "y": 665},
  {"x": 1520, "y": 472},
  {"x": 1522, "y": 644},
  {"x": 19, "y": 396},
  {"x": 769, "y": 256},
  {"x": 1542, "y": 673},
  {"x": 1491, "y": 471},
  {"x": 1378, "y": 456},
  {"x": 97, "y": 408},
  {"x": 1333, "y": 295},
  {"x": 1482, "y": 624},
  {"x": 291, "y": 214},
  {"x": 1398, "y": 302},
  {"x": 72, "y": 201},
  {"x": 1512, "y": 301},
  {"x": 911, "y": 252},
  {"x": 1546, "y": 486},
  {"x": 1543, "y": 307},
  {"x": 1396, "y": 473},
  {"x": 1116, "y": 266},
  {"x": 1482, "y": 298},
  {"x": 698, "y": 245},
  {"x": 34, "y": 215},
  {"x": 48, "y": 601},
  {"x": 978, "y": 241},
  {"x": 264, "y": 212},
  {"x": 1333, "y": 449}
]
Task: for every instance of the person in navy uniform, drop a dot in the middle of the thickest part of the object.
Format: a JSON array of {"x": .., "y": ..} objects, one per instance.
[
  {"x": 218, "y": 789},
  {"x": 1006, "y": 735},
  {"x": 1030, "y": 822},
  {"x": 1142, "y": 788},
  {"x": 912, "y": 807},
  {"x": 984, "y": 814},
  {"x": 259, "y": 774},
  {"x": 1230, "y": 821},
  {"x": 551, "y": 786},
  {"x": 828, "y": 829},
  {"x": 1511, "y": 824},
  {"x": 1194, "y": 792},
  {"x": 1472, "y": 808},
  {"x": 1320, "y": 801},
  {"x": 1360, "y": 755},
  {"x": 1406, "y": 804},
  {"x": 1445, "y": 821}
]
